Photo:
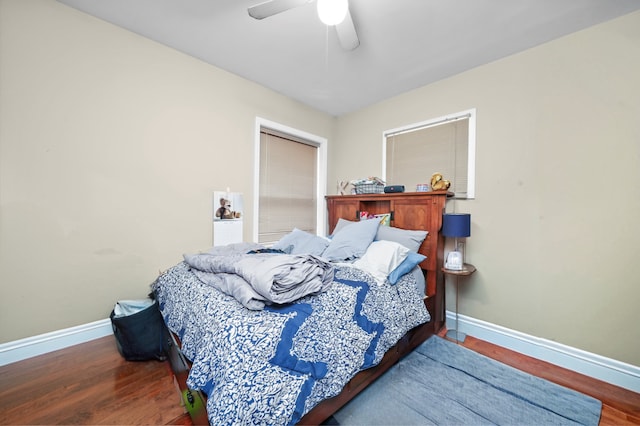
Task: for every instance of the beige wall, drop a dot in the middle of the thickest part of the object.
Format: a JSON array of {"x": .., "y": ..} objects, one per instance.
[
  {"x": 555, "y": 234},
  {"x": 110, "y": 148}
]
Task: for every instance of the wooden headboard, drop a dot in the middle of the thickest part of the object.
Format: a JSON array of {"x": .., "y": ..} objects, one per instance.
[{"x": 409, "y": 210}]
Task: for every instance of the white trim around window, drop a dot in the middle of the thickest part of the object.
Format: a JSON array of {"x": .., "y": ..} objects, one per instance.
[
  {"x": 300, "y": 135},
  {"x": 470, "y": 115}
]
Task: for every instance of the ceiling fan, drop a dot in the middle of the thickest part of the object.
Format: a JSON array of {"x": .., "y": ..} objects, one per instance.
[{"x": 345, "y": 29}]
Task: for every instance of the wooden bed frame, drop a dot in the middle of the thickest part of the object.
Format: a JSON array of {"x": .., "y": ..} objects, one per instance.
[{"x": 412, "y": 210}]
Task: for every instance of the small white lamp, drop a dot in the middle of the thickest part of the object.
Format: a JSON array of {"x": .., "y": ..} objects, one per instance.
[{"x": 456, "y": 225}]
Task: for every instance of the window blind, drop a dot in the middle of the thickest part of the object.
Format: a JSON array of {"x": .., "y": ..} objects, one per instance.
[
  {"x": 414, "y": 155},
  {"x": 288, "y": 186}
]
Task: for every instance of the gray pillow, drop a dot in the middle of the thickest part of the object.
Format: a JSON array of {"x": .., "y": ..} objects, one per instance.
[
  {"x": 301, "y": 242},
  {"x": 408, "y": 238},
  {"x": 351, "y": 241},
  {"x": 341, "y": 224}
]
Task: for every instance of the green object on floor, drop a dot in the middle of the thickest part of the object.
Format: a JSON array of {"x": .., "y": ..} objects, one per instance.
[{"x": 192, "y": 401}]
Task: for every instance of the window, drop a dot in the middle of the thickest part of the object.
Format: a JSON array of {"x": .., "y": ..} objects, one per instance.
[
  {"x": 446, "y": 145},
  {"x": 290, "y": 185}
]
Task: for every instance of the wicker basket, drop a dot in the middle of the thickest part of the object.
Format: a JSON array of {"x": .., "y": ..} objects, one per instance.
[{"x": 369, "y": 188}]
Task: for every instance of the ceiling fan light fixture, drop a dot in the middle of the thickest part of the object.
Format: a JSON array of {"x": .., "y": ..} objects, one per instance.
[{"x": 332, "y": 12}]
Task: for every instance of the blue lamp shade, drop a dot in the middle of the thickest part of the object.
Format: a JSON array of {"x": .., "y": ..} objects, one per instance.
[{"x": 456, "y": 225}]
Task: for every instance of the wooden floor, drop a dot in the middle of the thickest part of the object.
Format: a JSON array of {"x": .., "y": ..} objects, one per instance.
[{"x": 91, "y": 384}]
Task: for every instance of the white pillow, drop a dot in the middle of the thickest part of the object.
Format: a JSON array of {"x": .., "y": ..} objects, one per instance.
[{"x": 381, "y": 258}]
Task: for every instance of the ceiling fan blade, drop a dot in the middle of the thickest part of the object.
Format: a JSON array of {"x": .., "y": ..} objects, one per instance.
[
  {"x": 347, "y": 35},
  {"x": 273, "y": 7}
]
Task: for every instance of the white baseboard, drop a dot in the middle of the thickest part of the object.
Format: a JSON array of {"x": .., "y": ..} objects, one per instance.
[
  {"x": 37, "y": 345},
  {"x": 606, "y": 369}
]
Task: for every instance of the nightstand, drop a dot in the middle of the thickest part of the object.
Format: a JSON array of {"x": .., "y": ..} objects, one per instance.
[{"x": 467, "y": 269}]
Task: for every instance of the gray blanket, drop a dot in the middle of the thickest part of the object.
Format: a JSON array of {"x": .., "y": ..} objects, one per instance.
[{"x": 261, "y": 278}]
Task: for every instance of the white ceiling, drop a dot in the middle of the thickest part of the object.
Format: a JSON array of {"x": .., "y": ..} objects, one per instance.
[{"x": 404, "y": 44}]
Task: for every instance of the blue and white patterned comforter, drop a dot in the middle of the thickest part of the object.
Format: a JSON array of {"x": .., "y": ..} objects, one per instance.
[{"x": 272, "y": 366}]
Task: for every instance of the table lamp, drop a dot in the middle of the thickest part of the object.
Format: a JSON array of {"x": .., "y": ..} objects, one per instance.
[{"x": 456, "y": 225}]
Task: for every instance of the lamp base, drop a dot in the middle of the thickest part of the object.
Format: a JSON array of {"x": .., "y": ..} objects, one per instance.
[
  {"x": 456, "y": 335},
  {"x": 454, "y": 261}
]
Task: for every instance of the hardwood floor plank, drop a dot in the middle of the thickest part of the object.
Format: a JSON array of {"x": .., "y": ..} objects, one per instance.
[{"x": 88, "y": 384}]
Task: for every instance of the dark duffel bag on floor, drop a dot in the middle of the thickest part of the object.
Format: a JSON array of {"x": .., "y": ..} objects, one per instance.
[{"x": 140, "y": 330}]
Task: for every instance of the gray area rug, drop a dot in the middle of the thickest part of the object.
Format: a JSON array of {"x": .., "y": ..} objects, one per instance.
[{"x": 441, "y": 383}]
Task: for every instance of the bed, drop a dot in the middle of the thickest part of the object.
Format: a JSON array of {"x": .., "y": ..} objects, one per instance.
[{"x": 288, "y": 334}]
